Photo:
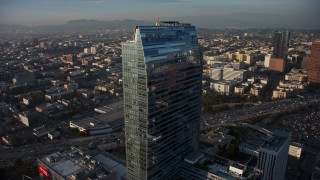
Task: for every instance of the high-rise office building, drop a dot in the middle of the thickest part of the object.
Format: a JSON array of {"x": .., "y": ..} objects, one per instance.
[
  {"x": 281, "y": 44},
  {"x": 162, "y": 72},
  {"x": 313, "y": 68},
  {"x": 273, "y": 155}
]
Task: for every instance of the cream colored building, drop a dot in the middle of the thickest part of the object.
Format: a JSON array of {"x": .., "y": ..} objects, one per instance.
[
  {"x": 295, "y": 150},
  {"x": 224, "y": 87},
  {"x": 246, "y": 58}
]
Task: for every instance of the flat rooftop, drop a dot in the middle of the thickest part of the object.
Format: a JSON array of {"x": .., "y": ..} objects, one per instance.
[
  {"x": 172, "y": 23},
  {"x": 275, "y": 141},
  {"x": 238, "y": 166},
  {"x": 90, "y": 123},
  {"x": 76, "y": 161},
  {"x": 113, "y": 118},
  {"x": 194, "y": 157},
  {"x": 66, "y": 167}
]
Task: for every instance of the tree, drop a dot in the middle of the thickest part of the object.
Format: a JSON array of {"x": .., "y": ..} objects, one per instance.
[
  {"x": 77, "y": 109},
  {"x": 231, "y": 149},
  {"x": 29, "y": 139},
  {"x": 18, "y": 106},
  {"x": 15, "y": 141},
  {"x": 82, "y": 133}
]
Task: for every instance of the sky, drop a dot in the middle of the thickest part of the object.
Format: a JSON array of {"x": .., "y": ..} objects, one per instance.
[{"x": 52, "y": 12}]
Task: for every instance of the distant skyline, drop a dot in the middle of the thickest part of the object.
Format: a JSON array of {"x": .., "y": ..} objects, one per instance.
[{"x": 286, "y": 13}]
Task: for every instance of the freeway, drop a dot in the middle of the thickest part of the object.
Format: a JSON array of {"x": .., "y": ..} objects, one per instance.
[
  {"x": 33, "y": 151},
  {"x": 263, "y": 130},
  {"x": 263, "y": 109}
]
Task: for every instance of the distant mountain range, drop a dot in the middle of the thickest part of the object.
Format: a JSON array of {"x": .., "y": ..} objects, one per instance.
[
  {"x": 233, "y": 20},
  {"x": 81, "y": 25},
  {"x": 255, "y": 20}
]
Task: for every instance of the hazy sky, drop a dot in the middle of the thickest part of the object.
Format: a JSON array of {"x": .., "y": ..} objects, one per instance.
[{"x": 47, "y": 12}]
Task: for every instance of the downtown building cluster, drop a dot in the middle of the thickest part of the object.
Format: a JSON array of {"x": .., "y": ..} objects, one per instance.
[{"x": 162, "y": 88}]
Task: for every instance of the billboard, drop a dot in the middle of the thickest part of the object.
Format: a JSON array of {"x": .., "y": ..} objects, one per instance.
[{"x": 44, "y": 172}]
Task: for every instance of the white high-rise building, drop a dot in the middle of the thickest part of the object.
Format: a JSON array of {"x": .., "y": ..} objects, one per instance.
[
  {"x": 273, "y": 155},
  {"x": 86, "y": 50},
  {"x": 93, "y": 50},
  {"x": 267, "y": 60}
]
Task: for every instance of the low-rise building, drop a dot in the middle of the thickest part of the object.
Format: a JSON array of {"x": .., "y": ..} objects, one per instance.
[
  {"x": 40, "y": 131},
  {"x": 8, "y": 140},
  {"x": 256, "y": 91},
  {"x": 241, "y": 89},
  {"x": 220, "y": 73},
  {"x": 5, "y": 76},
  {"x": 246, "y": 58},
  {"x": 65, "y": 102},
  {"x": 237, "y": 168},
  {"x": 198, "y": 165},
  {"x": 24, "y": 79},
  {"x": 231, "y": 74},
  {"x": 238, "y": 65},
  {"x": 224, "y": 87},
  {"x": 101, "y": 124},
  {"x": 54, "y": 134},
  {"x": 292, "y": 85},
  {"x": 27, "y": 101},
  {"x": 287, "y": 89},
  {"x": 216, "y": 73},
  {"x": 27, "y": 118},
  {"x": 297, "y": 75},
  {"x": 46, "y": 108},
  {"x": 71, "y": 86},
  {"x": 295, "y": 150},
  {"x": 281, "y": 94},
  {"x": 59, "y": 95},
  {"x": 77, "y": 164}
]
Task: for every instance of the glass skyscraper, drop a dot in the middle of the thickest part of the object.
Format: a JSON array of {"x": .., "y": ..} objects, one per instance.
[
  {"x": 281, "y": 44},
  {"x": 162, "y": 72}
]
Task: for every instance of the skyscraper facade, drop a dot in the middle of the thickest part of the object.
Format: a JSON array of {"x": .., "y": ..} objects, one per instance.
[
  {"x": 273, "y": 155},
  {"x": 313, "y": 70},
  {"x": 162, "y": 72},
  {"x": 281, "y": 44}
]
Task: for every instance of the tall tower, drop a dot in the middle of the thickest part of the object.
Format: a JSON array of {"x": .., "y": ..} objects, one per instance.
[
  {"x": 314, "y": 64},
  {"x": 162, "y": 72},
  {"x": 273, "y": 155},
  {"x": 281, "y": 44}
]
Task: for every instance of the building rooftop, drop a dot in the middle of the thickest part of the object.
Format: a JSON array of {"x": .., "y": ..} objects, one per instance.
[
  {"x": 66, "y": 167},
  {"x": 193, "y": 157},
  {"x": 227, "y": 82},
  {"x": 273, "y": 144},
  {"x": 112, "y": 118},
  {"x": 90, "y": 123},
  {"x": 219, "y": 166},
  {"x": 275, "y": 141},
  {"x": 76, "y": 163},
  {"x": 171, "y": 23},
  {"x": 238, "y": 166},
  {"x": 120, "y": 169},
  {"x": 102, "y": 121}
]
